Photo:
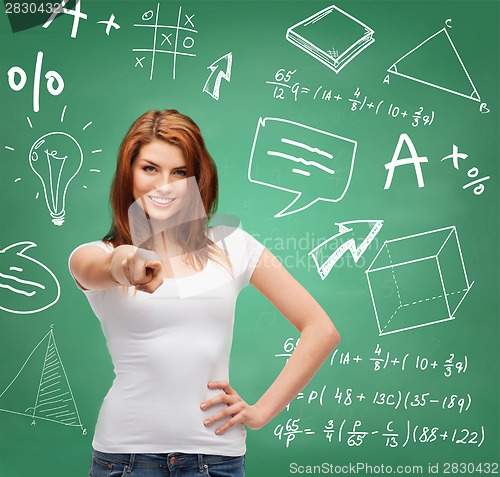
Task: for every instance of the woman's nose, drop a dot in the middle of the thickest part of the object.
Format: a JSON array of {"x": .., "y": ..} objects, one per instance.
[{"x": 164, "y": 186}]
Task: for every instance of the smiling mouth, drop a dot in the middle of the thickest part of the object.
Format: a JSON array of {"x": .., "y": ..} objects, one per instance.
[{"x": 161, "y": 201}]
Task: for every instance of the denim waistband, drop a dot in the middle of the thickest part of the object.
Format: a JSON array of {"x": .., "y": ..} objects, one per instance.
[{"x": 171, "y": 460}]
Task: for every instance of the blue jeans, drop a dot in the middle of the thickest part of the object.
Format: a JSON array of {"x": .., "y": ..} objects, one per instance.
[{"x": 174, "y": 464}]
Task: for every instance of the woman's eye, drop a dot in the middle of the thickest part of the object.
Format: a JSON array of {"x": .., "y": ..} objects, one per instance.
[
  {"x": 149, "y": 168},
  {"x": 181, "y": 172}
]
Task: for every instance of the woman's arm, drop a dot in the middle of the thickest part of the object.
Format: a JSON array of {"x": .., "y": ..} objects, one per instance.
[
  {"x": 318, "y": 338},
  {"x": 94, "y": 268},
  {"x": 318, "y": 335}
]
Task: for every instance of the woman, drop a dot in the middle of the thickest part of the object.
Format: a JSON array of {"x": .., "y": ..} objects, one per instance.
[{"x": 167, "y": 311}]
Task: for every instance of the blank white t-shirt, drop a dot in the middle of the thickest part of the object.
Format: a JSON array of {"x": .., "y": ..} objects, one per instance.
[{"x": 165, "y": 347}]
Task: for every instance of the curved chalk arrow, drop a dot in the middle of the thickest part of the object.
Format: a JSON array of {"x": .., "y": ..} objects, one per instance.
[{"x": 223, "y": 65}]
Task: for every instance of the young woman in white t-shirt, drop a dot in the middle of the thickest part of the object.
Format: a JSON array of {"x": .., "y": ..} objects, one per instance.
[{"x": 166, "y": 304}]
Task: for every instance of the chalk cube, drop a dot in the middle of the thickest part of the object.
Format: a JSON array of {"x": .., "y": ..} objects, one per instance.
[{"x": 418, "y": 280}]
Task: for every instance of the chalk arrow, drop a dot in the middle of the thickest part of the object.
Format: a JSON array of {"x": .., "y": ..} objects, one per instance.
[
  {"x": 223, "y": 68},
  {"x": 341, "y": 243}
]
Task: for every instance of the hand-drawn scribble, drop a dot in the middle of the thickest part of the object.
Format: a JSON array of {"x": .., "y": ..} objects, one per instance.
[
  {"x": 418, "y": 280},
  {"x": 447, "y": 72},
  {"x": 223, "y": 68},
  {"x": 56, "y": 158},
  {"x": 172, "y": 36},
  {"x": 332, "y": 36},
  {"x": 314, "y": 164},
  {"x": 17, "y": 78},
  {"x": 26, "y": 285},
  {"x": 329, "y": 252},
  {"x": 41, "y": 389}
]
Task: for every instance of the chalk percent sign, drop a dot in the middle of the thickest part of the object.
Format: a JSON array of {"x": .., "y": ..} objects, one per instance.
[
  {"x": 472, "y": 173},
  {"x": 18, "y": 79}
]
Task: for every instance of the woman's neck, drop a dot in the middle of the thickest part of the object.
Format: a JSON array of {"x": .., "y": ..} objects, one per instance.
[{"x": 166, "y": 246}]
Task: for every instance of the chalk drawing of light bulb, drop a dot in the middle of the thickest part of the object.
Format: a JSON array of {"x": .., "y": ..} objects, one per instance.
[{"x": 56, "y": 159}]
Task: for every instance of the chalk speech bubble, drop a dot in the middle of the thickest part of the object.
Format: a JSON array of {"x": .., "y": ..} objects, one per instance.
[
  {"x": 314, "y": 164},
  {"x": 26, "y": 285}
]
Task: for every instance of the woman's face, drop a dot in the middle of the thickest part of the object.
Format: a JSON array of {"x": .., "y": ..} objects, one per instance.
[{"x": 159, "y": 178}]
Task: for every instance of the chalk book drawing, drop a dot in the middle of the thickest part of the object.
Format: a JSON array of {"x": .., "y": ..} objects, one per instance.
[
  {"x": 435, "y": 62},
  {"x": 41, "y": 389},
  {"x": 332, "y": 36},
  {"x": 418, "y": 280}
]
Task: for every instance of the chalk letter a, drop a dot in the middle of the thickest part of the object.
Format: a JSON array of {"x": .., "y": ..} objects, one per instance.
[{"x": 396, "y": 161}]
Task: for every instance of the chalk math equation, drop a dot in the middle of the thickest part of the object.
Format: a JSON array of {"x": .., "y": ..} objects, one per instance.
[
  {"x": 395, "y": 399},
  {"x": 385, "y": 360},
  {"x": 286, "y": 88},
  {"x": 355, "y": 434}
]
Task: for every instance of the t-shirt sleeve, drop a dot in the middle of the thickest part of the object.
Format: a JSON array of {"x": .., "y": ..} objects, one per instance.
[
  {"x": 97, "y": 243},
  {"x": 254, "y": 250},
  {"x": 244, "y": 252}
]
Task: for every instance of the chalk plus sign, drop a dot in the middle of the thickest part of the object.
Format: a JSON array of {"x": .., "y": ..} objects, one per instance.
[
  {"x": 110, "y": 23},
  {"x": 455, "y": 156}
]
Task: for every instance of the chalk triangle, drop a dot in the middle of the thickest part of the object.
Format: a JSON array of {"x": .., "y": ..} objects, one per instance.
[
  {"x": 435, "y": 62},
  {"x": 41, "y": 389},
  {"x": 19, "y": 395},
  {"x": 55, "y": 400}
]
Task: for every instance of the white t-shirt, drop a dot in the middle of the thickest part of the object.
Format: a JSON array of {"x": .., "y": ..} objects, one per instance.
[{"x": 166, "y": 346}]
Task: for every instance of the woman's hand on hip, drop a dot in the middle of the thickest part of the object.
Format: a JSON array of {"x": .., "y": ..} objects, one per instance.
[{"x": 241, "y": 412}]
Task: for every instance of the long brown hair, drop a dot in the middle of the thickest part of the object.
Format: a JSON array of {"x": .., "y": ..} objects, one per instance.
[{"x": 180, "y": 130}]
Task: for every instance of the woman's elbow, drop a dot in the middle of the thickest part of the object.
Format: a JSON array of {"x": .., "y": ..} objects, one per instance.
[
  {"x": 333, "y": 336},
  {"x": 330, "y": 334}
]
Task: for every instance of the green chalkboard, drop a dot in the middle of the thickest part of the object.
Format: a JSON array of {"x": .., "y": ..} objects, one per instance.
[{"x": 359, "y": 141}]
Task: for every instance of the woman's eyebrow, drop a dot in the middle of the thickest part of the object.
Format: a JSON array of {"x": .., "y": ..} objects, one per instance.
[
  {"x": 156, "y": 165},
  {"x": 148, "y": 161}
]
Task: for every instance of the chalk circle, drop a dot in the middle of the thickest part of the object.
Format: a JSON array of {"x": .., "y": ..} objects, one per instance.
[
  {"x": 184, "y": 42},
  {"x": 147, "y": 15},
  {"x": 12, "y": 78},
  {"x": 54, "y": 77}
]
